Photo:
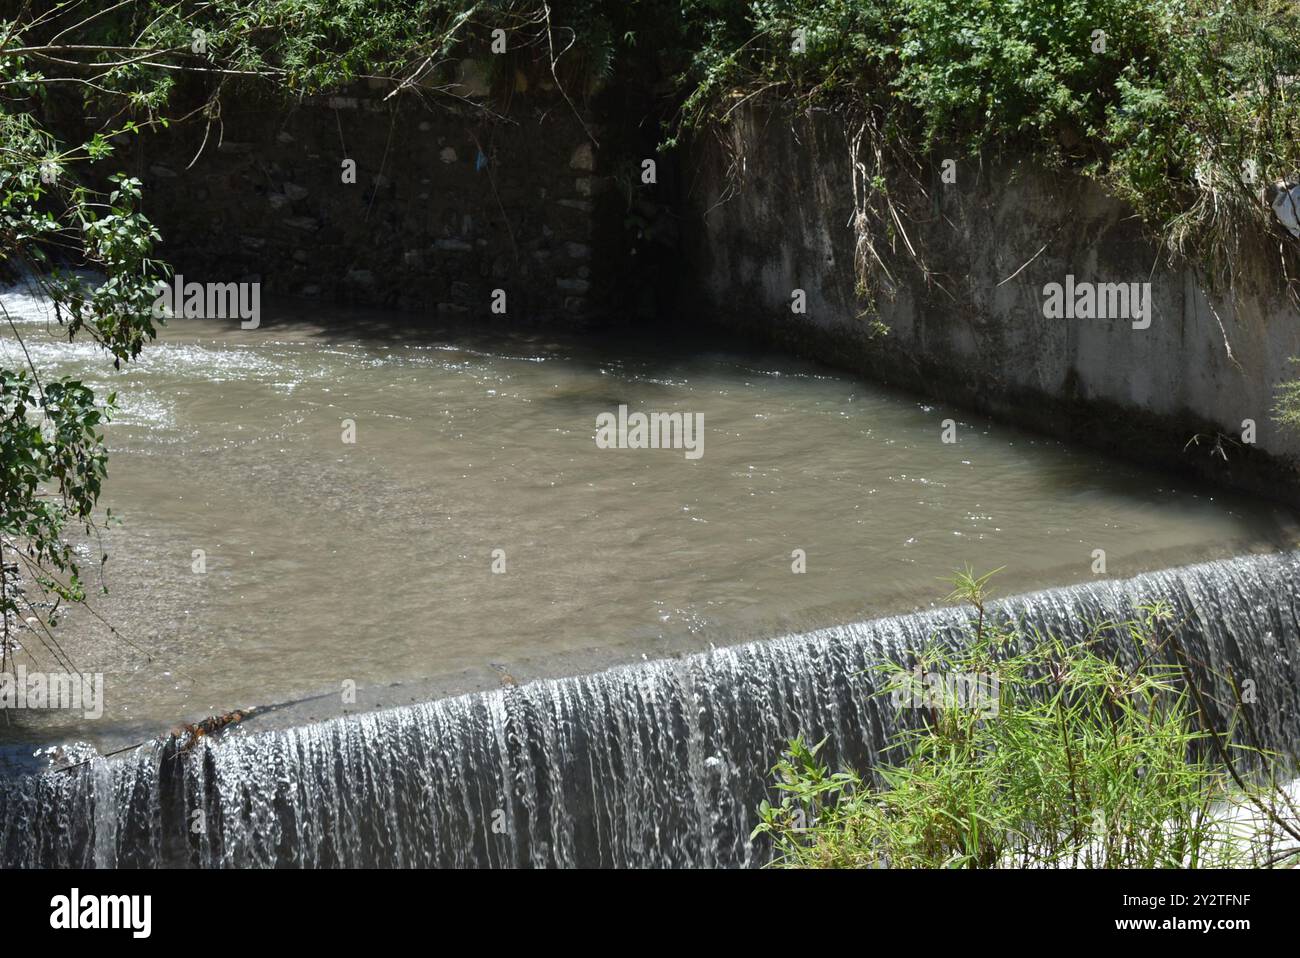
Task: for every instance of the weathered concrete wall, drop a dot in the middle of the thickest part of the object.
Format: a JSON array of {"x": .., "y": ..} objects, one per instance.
[
  {"x": 448, "y": 203},
  {"x": 972, "y": 335}
]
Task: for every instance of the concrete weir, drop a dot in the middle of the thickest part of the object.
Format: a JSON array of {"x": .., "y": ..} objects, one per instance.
[{"x": 657, "y": 764}]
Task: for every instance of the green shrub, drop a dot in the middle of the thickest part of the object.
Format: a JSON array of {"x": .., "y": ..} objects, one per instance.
[
  {"x": 1075, "y": 760},
  {"x": 1188, "y": 113}
]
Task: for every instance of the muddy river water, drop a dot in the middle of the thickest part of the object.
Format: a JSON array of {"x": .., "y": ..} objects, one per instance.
[{"x": 371, "y": 498}]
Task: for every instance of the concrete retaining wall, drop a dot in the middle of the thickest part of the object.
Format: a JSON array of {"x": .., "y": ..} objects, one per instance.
[{"x": 975, "y": 332}]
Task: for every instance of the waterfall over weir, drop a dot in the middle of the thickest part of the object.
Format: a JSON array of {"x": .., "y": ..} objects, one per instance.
[{"x": 661, "y": 763}]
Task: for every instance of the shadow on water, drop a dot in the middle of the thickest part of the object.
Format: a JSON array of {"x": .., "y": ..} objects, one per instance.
[{"x": 642, "y": 356}]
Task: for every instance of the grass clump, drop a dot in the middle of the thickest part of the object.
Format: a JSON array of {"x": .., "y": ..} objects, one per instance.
[{"x": 1050, "y": 755}]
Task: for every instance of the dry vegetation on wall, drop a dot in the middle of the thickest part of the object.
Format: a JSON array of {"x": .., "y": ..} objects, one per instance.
[{"x": 1184, "y": 109}]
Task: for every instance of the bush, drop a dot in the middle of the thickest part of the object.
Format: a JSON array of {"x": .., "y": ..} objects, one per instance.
[
  {"x": 1073, "y": 760},
  {"x": 1183, "y": 108}
]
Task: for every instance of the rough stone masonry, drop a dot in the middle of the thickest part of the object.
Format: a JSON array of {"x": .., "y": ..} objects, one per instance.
[{"x": 445, "y": 203}]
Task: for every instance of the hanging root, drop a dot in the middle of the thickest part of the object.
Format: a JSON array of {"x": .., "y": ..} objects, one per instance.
[
  {"x": 877, "y": 217},
  {"x": 868, "y": 191}
]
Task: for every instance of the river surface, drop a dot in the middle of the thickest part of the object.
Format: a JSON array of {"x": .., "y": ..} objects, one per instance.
[{"x": 371, "y": 562}]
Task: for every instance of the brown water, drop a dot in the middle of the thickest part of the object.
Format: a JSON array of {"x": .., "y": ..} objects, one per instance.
[{"x": 372, "y": 562}]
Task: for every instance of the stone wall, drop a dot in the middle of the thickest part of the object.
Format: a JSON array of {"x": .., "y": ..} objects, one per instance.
[
  {"x": 449, "y": 202},
  {"x": 974, "y": 331}
]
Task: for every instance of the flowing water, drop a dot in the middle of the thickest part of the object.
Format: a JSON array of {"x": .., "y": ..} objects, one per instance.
[
  {"x": 262, "y": 557},
  {"x": 372, "y": 562},
  {"x": 661, "y": 763}
]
